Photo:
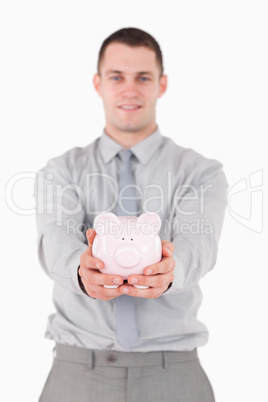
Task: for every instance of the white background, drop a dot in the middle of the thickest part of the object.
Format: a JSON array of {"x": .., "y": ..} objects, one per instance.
[{"x": 215, "y": 54}]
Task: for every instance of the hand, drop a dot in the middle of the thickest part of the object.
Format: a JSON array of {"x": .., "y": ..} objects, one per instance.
[
  {"x": 92, "y": 279},
  {"x": 157, "y": 276}
]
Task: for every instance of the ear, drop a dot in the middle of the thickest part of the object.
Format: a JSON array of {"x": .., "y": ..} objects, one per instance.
[
  {"x": 152, "y": 220},
  {"x": 96, "y": 83},
  {"x": 104, "y": 221},
  {"x": 162, "y": 85}
]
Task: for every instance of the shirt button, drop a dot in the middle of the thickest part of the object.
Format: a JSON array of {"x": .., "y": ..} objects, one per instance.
[{"x": 111, "y": 358}]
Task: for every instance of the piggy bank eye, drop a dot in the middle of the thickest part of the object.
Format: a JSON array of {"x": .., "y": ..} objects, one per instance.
[
  {"x": 123, "y": 238},
  {"x": 131, "y": 239}
]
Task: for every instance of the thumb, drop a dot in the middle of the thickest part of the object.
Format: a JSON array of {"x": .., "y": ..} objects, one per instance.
[
  {"x": 91, "y": 233},
  {"x": 167, "y": 248}
]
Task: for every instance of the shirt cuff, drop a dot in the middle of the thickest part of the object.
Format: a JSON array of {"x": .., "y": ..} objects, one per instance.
[
  {"x": 81, "y": 285},
  {"x": 75, "y": 264}
]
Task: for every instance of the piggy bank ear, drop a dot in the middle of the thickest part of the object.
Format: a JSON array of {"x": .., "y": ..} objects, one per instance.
[
  {"x": 105, "y": 222},
  {"x": 151, "y": 221}
]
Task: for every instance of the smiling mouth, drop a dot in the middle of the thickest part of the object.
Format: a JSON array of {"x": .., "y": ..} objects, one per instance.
[{"x": 129, "y": 108}]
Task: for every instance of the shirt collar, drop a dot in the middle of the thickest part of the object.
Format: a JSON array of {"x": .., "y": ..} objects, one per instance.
[
  {"x": 143, "y": 150},
  {"x": 108, "y": 147}
]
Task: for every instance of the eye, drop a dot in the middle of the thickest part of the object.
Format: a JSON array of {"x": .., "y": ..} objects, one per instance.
[
  {"x": 123, "y": 238},
  {"x": 115, "y": 78},
  {"x": 131, "y": 239},
  {"x": 144, "y": 79}
]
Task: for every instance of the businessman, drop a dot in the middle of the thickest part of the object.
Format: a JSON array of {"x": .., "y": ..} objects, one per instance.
[{"x": 113, "y": 341}]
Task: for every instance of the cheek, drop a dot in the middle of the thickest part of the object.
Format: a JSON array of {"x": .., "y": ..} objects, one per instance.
[
  {"x": 108, "y": 91},
  {"x": 108, "y": 104},
  {"x": 151, "y": 95}
]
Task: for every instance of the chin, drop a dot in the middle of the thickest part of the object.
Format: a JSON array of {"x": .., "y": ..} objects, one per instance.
[{"x": 129, "y": 128}]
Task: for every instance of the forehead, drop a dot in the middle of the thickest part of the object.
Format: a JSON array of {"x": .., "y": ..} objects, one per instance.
[{"x": 120, "y": 57}]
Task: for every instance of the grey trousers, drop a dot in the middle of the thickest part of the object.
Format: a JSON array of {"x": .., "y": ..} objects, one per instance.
[{"x": 82, "y": 375}]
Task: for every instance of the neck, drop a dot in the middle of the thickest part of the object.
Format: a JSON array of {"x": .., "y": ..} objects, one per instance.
[{"x": 129, "y": 139}]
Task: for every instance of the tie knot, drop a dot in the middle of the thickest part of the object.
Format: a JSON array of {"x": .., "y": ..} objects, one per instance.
[{"x": 125, "y": 155}]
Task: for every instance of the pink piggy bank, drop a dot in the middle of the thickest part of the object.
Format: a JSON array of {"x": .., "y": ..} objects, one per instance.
[{"x": 127, "y": 244}]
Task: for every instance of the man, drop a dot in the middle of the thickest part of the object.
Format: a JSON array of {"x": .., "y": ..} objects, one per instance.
[{"x": 185, "y": 189}]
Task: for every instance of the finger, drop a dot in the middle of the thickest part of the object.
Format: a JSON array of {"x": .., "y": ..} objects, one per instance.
[
  {"x": 155, "y": 281},
  {"x": 108, "y": 280},
  {"x": 96, "y": 295},
  {"x": 150, "y": 293},
  {"x": 165, "y": 265},
  {"x": 88, "y": 261},
  {"x": 103, "y": 294},
  {"x": 95, "y": 278},
  {"x": 106, "y": 293},
  {"x": 167, "y": 248},
  {"x": 90, "y": 234}
]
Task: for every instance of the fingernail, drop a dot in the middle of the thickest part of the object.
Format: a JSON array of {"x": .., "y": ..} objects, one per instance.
[
  {"x": 167, "y": 249},
  {"x": 149, "y": 271},
  {"x": 117, "y": 281},
  {"x": 133, "y": 280},
  {"x": 97, "y": 265},
  {"x": 125, "y": 290}
]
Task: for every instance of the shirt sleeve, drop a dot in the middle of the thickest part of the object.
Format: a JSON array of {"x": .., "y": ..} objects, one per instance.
[
  {"x": 59, "y": 216},
  {"x": 199, "y": 208}
]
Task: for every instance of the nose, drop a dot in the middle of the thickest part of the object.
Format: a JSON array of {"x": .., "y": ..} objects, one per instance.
[
  {"x": 129, "y": 89},
  {"x": 127, "y": 257}
]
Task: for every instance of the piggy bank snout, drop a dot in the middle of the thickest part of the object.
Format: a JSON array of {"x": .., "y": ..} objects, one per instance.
[{"x": 127, "y": 256}]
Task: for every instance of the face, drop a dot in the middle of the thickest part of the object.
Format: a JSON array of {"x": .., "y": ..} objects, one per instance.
[{"x": 129, "y": 84}]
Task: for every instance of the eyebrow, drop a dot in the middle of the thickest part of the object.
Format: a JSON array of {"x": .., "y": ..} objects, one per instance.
[{"x": 122, "y": 72}]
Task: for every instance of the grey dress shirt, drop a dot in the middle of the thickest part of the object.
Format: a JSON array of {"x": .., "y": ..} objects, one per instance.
[{"x": 187, "y": 191}]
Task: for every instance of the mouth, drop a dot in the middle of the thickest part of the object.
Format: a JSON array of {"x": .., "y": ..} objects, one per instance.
[{"x": 129, "y": 108}]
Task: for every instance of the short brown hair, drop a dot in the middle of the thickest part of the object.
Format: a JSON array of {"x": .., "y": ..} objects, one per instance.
[{"x": 132, "y": 37}]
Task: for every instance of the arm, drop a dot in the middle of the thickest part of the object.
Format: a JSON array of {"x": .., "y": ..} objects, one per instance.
[
  {"x": 58, "y": 208},
  {"x": 62, "y": 248},
  {"x": 196, "y": 228}
]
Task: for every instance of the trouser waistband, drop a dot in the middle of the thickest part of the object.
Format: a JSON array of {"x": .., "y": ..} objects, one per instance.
[{"x": 92, "y": 358}]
